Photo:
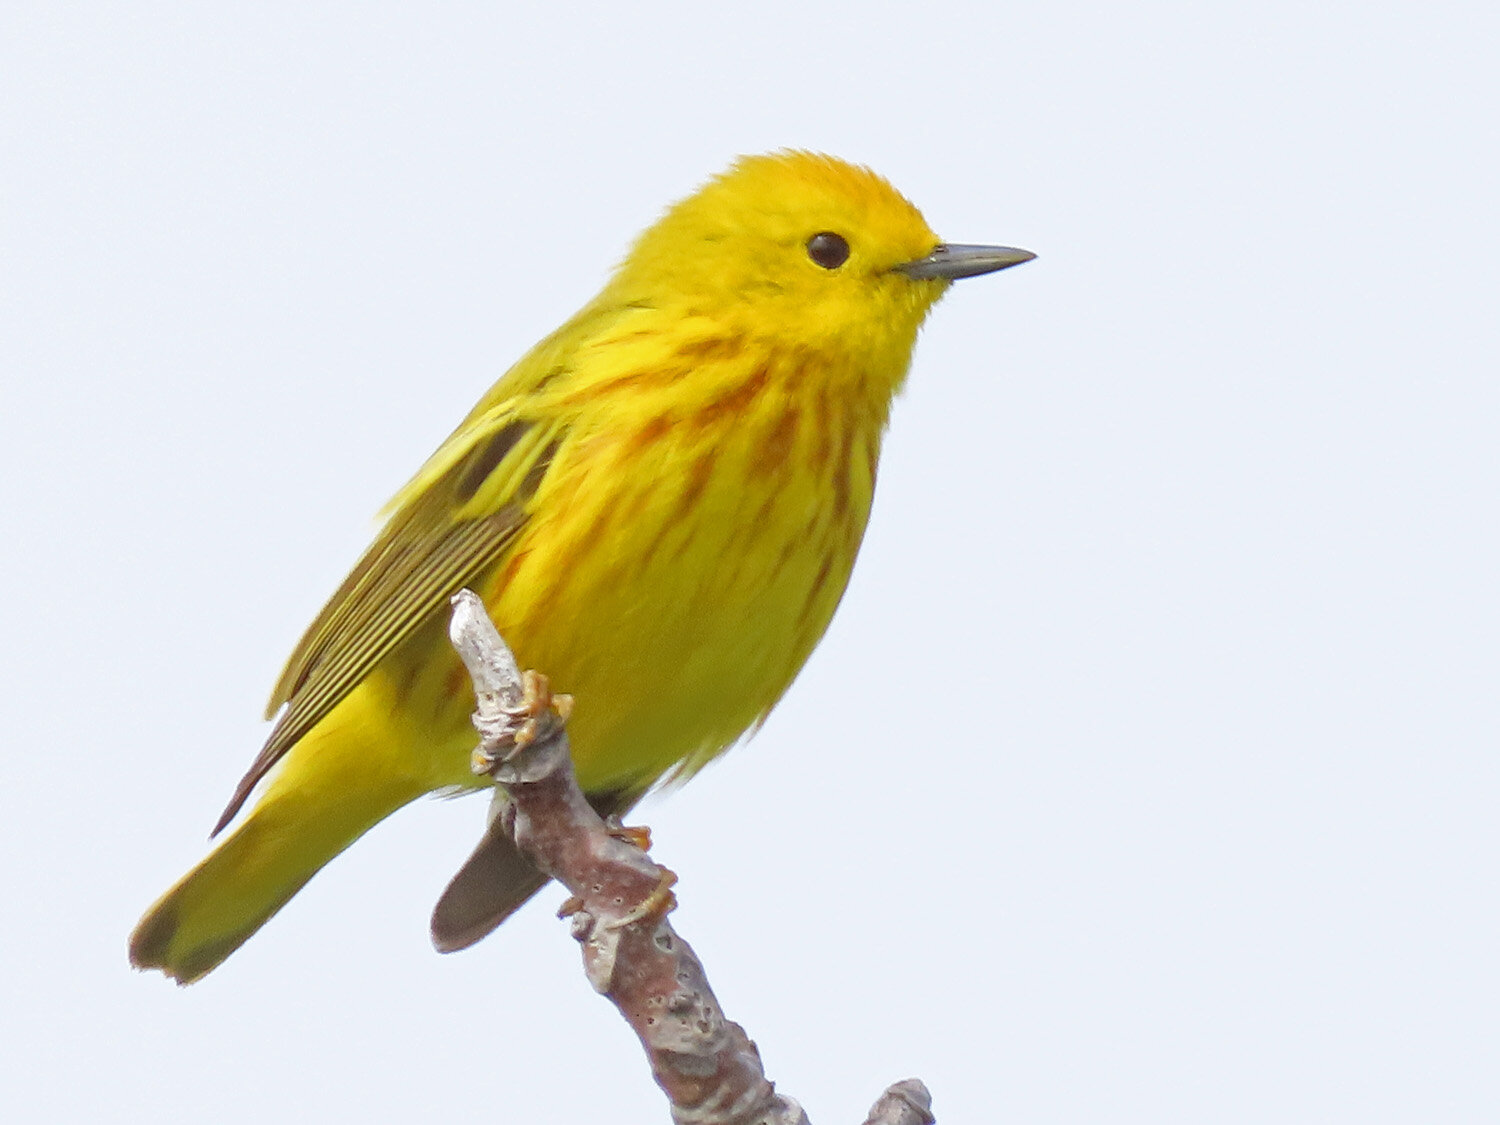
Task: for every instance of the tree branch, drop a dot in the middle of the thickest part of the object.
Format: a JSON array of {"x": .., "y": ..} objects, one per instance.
[{"x": 707, "y": 1065}]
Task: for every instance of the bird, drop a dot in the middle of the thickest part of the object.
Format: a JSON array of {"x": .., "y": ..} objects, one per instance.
[{"x": 660, "y": 505}]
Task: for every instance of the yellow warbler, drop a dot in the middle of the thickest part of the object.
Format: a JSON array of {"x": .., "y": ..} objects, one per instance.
[{"x": 660, "y": 505}]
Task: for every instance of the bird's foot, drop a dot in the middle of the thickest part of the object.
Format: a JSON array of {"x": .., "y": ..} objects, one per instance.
[
  {"x": 637, "y": 834},
  {"x": 654, "y": 907},
  {"x": 539, "y": 713}
]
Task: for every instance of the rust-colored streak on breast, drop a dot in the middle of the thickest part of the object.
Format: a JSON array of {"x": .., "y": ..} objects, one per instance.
[
  {"x": 823, "y": 427},
  {"x": 817, "y": 587},
  {"x": 652, "y": 547},
  {"x": 692, "y": 492},
  {"x": 785, "y": 558},
  {"x": 509, "y": 571},
  {"x": 636, "y": 506},
  {"x": 595, "y": 532},
  {"x": 697, "y": 481},
  {"x": 654, "y": 430},
  {"x": 763, "y": 513},
  {"x": 841, "y": 469},
  {"x": 735, "y": 402},
  {"x": 634, "y": 380},
  {"x": 777, "y": 446},
  {"x": 609, "y": 386},
  {"x": 707, "y": 349}
]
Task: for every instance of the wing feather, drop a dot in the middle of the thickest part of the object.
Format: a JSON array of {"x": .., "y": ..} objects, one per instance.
[{"x": 456, "y": 520}]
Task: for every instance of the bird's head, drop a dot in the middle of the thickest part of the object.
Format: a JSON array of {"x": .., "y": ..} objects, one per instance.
[{"x": 801, "y": 250}]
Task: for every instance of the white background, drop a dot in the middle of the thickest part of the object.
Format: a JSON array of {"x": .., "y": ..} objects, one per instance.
[{"x": 1149, "y": 770}]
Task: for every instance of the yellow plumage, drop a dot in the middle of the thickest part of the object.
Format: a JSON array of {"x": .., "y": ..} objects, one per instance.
[{"x": 660, "y": 505}]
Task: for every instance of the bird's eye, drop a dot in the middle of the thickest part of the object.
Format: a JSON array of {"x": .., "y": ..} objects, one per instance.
[{"x": 828, "y": 250}]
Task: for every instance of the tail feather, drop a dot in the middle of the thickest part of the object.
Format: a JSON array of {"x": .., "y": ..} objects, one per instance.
[
  {"x": 217, "y": 906},
  {"x": 495, "y": 881},
  {"x": 312, "y": 810}
]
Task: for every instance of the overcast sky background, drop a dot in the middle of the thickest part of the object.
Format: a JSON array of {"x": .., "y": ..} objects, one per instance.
[{"x": 1149, "y": 771}]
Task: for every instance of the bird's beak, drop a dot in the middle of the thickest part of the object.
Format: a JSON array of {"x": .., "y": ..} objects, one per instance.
[{"x": 950, "y": 261}]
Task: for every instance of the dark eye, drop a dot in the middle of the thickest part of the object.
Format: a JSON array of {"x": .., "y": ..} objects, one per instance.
[{"x": 829, "y": 250}]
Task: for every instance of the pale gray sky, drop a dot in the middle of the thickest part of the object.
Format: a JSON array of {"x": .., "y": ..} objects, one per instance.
[{"x": 1149, "y": 771}]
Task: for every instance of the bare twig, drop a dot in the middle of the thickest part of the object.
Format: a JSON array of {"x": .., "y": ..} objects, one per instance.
[
  {"x": 706, "y": 1064},
  {"x": 903, "y": 1103}
]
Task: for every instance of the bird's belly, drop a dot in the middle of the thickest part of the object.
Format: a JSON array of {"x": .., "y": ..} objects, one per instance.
[{"x": 678, "y": 608}]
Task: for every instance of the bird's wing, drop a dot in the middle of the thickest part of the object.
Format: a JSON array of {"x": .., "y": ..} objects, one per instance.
[{"x": 455, "y": 520}]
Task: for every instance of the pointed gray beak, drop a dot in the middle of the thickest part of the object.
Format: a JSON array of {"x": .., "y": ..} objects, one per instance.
[{"x": 951, "y": 262}]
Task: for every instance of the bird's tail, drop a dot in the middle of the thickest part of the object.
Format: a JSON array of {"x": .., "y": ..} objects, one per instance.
[
  {"x": 492, "y": 885},
  {"x": 497, "y": 880},
  {"x": 321, "y": 800}
]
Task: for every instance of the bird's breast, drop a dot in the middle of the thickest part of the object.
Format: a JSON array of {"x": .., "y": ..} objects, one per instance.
[{"x": 676, "y": 573}]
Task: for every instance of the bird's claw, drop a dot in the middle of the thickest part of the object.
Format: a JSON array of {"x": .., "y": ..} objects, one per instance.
[
  {"x": 654, "y": 907},
  {"x": 539, "y": 713},
  {"x": 637, "y": 834}
]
